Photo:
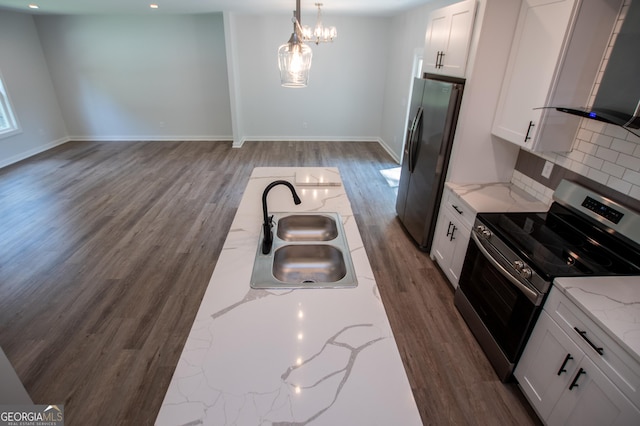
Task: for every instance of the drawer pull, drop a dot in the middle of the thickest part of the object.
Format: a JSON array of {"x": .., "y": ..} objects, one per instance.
[
  {"x": 584, "y": 336},
  {"x": 564, "y": 364},
  {"x": 456, "y": 208},
  {"x": 574, "y": 384}
]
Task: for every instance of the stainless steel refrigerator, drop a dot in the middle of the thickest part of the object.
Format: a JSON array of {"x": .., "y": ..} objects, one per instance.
[{"x": 433, "y": 116}]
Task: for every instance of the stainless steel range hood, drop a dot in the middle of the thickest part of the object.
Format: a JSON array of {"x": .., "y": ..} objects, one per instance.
[{"x": 618, "y": 98}]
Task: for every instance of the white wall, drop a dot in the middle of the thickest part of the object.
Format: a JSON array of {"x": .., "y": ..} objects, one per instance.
[
  {"x": 345, "y": 95},
  {"x": 477, "y": 155},
  {"x": 139, "y": 77},
  {"x": 407, "y": 35},
  {"x": 27, "y": 80}
]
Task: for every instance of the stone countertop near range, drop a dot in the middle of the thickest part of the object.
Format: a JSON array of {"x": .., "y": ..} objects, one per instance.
[
  {"x": 256, "y": 357},
  {"x": 612, "y": 302},
  {"x": 497, "y": 197}
]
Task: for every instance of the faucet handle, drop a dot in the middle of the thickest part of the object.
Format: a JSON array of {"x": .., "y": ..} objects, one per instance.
[{"x": 271, "y": 220}]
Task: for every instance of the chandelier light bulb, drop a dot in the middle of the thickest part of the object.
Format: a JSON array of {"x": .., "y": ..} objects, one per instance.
[{"x": 294, "y": 57}]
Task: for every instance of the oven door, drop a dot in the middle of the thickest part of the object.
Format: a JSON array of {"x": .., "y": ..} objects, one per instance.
[{"x": 499, "y": 308}]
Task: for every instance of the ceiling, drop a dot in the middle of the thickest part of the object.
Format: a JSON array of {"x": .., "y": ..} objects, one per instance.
[{"x": 87, "y": 7}]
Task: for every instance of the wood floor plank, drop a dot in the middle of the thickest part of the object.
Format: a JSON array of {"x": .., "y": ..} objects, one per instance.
[{"x": 106, "y": 249}]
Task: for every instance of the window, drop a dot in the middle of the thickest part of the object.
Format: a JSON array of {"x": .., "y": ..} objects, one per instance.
[{"x": 8, "y": 123}]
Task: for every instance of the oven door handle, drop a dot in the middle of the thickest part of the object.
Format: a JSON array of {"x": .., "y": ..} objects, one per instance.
[{"x": 530, "y": 294}]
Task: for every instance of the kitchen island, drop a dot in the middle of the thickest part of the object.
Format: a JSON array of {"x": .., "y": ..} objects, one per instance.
[{"x": 320, "y": 356}]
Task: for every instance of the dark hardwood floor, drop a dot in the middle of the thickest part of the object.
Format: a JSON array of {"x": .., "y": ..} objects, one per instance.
[{"x": 106, "y": 250}]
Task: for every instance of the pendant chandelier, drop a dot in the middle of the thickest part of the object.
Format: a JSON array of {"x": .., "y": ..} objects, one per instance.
[{"x": 294, "y": 57}]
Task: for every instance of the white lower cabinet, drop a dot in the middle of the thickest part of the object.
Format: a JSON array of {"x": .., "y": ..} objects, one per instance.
[
  {"x": 593, "y": 400},
  {"x": 451, "y": 236},
  {"x": 564, "y": 385}
]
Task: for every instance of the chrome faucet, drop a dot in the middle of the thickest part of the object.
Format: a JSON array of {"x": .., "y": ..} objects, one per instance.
[{"x": 267, "y": 242}]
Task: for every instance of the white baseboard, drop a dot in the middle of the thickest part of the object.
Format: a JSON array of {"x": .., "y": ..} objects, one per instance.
[
  {"x": 386, "y": 147},
  {"x": 30, "y": 153},
  {"x": 121, "y": 138}
]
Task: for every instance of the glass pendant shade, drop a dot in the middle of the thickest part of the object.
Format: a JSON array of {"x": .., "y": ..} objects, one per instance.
[{"x": 294, "y": 61}]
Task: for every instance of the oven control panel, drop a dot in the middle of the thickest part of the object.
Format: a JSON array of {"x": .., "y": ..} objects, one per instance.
[
  {"x": 616, "y": 217},
  {"x": 603, "y": 210}
]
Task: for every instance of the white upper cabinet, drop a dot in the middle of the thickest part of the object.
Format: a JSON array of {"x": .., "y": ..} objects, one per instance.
[
  {"x": 448, "y": 39},
  {"x": 555, "y": 56}
]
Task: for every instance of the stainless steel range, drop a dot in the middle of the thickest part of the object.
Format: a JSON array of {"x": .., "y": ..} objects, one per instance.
[{"x": 513, "y": 258}]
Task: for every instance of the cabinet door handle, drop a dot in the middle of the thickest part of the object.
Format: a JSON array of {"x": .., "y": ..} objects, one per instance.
[
  {"x": 574, "y": 383},
  {"x": 449, "y": 232},
  {"x": 441, "y": 59},
  {"x": 456, "y": 209},
  {"x": 438, "y": 60},
  {"x": 452, "y": 232},
  {"x": 527, "y": 137},
  {"x": 583, "y": 334},
  {"x": 564, "y": 364}
]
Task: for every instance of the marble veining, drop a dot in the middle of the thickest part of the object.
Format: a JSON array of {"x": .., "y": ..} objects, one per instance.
[
  {"x": 317, "y": 176},
  {"x": 497, "y": 197},
  {"x": 288, "y": 357},
  {"x": 612, "y": 302}
]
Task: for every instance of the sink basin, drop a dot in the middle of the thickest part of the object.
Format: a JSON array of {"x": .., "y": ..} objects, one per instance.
[
  {"x": 307, "y": 227},
  {"x": 309, "y": 250},
  {"x": 308, "y": 264}
]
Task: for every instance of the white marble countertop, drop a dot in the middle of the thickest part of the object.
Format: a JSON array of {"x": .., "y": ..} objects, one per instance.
[
  {"x": 259, "y": 357},
  {"x": 497, "y": 197},
  {"x": 612, "y": 302}
]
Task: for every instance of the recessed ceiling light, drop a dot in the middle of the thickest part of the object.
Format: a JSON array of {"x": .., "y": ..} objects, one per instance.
[
  {"x": 153, "y": 6},
  {"x": 34, "y": 6}
]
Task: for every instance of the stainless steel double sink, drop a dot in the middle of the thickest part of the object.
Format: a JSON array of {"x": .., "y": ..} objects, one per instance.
[{"x": 309, "y": 250}]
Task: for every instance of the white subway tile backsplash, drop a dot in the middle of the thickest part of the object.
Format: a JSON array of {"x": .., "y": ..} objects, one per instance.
[
  {"x": 613, "y": 169},
  {"x": 593, "y": 162},
  {"x": 584, "y": 135},
  {"x": 628, "y": 162},
  {"x": 607, "y": 154},
  {"x": 623, "y": 146},
  {"x": 579, "y": 168},
  {"x": 635, "y": 192},
  {"x": 577, "y": 156},
  {"x": 598, "y": 176},
  {"x": 615, "y": 131},
  {"x": 587, "y": 147},
  {"x": 602, "y": 139},
  {"x": 593, "y": 125},
  {"x": 540, "y": 188},
  {"x": 632, "y": 177},
  {"x": 532, "y": 187},
  {"x": 619, "y": 185},
  {"x": 635, "y": 139}
]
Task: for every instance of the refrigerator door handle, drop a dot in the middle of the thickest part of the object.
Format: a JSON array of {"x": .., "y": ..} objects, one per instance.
[
  {"x": 413, "y": 146},
  {"x": 407, "y": 145}
]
